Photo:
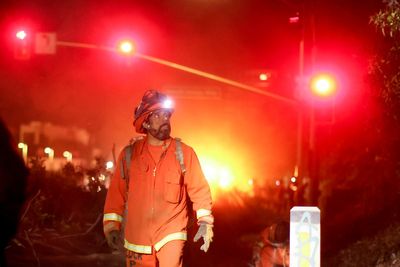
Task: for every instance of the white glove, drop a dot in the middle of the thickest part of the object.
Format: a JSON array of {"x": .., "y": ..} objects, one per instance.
[{"x": 206, "y": 232}]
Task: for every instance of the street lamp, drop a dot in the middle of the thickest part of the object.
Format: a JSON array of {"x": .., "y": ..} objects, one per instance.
[
  {"x": 50, "y": 152},
  {"x": 68, "y": 156},
  {"x": 24, "y": 148},
  {"x": 127, "y": 47}
]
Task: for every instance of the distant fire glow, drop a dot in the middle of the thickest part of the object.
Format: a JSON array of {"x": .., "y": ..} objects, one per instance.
[{"x": 223, "y": 175}]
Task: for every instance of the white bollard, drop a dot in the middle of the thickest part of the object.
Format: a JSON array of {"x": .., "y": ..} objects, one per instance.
[{"x": 305, "y": 237}]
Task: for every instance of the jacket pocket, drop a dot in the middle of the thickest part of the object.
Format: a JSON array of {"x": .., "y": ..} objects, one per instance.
[{"x": 173, "y": 187}]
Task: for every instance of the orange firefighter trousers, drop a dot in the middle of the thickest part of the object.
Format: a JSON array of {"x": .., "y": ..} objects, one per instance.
[{"x": 170, "y": 255}]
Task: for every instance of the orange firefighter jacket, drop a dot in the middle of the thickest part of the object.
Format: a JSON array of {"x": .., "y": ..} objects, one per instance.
[{"x": 156, "y": 202}]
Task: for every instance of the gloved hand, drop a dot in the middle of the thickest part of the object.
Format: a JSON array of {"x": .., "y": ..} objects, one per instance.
[
  {"x": 206, "y": 232},
  {"x": 114, "y": 239}
]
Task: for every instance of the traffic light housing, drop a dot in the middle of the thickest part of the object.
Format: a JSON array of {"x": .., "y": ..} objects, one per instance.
[
  {"x": 323, "y": 87},
  {"x": 22, "y": 45}
]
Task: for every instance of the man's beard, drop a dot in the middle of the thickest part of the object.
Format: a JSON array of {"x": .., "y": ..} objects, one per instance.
[{"x": 162, "y": 133}]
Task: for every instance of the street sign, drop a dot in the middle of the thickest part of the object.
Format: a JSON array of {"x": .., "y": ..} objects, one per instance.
[
  {"x": 45, "y": 43},
  {"x": 193, "y": 91}
]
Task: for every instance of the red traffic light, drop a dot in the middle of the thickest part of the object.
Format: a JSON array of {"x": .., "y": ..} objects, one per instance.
[
  {"x": 323, "y": 85},
  {"x": 22, "y": 46},
  {"x": 21, "y": 35}
]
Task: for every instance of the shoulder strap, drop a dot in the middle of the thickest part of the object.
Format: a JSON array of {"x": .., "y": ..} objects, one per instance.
[
  {"x": 126, "y": 160},
  {"x": 179, "y": 155}
]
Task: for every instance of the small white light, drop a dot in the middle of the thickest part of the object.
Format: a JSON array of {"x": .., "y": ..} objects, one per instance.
[
  {"x": 21, "y": 145},
  {"x": 109, "y": 165},
  {"x": 67, "y": 155}
]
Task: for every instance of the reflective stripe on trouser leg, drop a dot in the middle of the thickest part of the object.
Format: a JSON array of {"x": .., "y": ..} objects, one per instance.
[
  {"x": 171, "y": 254},
  {"x": 134, "y": 259}
]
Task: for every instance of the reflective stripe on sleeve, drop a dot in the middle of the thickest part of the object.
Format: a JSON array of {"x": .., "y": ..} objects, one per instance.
[
  {"x": 202, "y": 213},
  {"x": 137, "y": 248},
  {"x": 170, "y": 237},
  {"x": 112, "y": 217}
]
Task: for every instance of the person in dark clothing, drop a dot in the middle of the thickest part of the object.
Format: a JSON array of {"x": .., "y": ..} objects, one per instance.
[{"x": 13, "y": 180}]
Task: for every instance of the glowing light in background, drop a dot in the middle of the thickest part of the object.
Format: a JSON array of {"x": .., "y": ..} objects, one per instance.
[
  {"x": 21, "y": 35},
  {"x": 323, "y": 85},
  {"x": 127, "y": 47},
  {"x": 263, "y": 76},
  {"x": 109, "y": 165},
  {"x": 50, "y": 152},
  {"x": 223, "y": 175},
  {"x": 24, "y": 148},
  {"x": 67, "y": 155}
]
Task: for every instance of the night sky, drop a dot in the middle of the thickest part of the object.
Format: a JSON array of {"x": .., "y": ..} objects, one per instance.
[{"x": 98, "y": 90}]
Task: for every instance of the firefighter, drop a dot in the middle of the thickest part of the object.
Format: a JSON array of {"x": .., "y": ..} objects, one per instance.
[
  {"x": 155, "y": 179},
  {"x": 273, "y": 250}
]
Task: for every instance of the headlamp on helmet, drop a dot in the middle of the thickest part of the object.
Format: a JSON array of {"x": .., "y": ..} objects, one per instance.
[
  {"x": 151, "y": 101},
  {"x": 168, "y": 104}
]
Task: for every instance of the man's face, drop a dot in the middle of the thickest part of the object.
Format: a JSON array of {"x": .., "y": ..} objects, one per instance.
[{"x": 160, "y": 127}]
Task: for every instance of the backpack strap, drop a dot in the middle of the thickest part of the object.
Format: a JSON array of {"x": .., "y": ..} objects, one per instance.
[
  {"x": 126, "y": 160},
  {"x": 179, "y": 155}
]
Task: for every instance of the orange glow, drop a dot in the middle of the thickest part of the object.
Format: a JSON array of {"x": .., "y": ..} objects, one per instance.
[
  {"x": 225, "y": 144},
  {"x": 224, "y": 172},
  {"x": 127, "y": 47},
  {"x": 323, "y": 85}
]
